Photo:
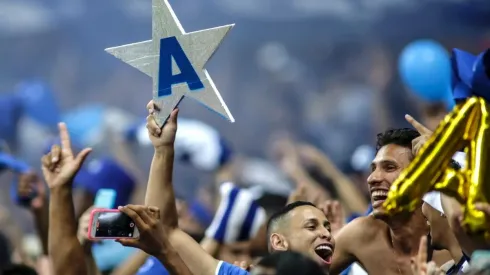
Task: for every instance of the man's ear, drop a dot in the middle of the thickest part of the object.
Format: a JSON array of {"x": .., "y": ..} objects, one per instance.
[{"x": 278, "y": 242}]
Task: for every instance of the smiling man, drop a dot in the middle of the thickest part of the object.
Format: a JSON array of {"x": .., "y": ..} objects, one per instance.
[
  {"x": 302, "y": 227},
  {"x": 384, "y": 244}
]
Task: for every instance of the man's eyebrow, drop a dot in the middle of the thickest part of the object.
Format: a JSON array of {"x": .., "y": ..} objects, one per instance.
[
  {"x": 383, "y": 161},
  {"x": 311, "y": 220}
]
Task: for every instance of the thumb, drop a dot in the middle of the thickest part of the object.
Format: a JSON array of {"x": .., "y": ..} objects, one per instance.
[
  {"x": 174, "y": 115},
  {"x": 82, "y": 156},
  {"x": 129, "y": 242}
]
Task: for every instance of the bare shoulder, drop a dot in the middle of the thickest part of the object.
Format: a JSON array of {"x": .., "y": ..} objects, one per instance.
[{"x": 362, "y": 228}]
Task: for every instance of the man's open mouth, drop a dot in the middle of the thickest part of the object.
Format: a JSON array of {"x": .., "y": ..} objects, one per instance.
[
  {"x": 325, "y": 252},
  {"x": 379, "y": 196}
]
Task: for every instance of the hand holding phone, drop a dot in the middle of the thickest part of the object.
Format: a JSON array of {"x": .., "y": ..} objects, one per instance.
[
  {"x": 152, "y": 236},
  {"x": 111, "y": 224}
]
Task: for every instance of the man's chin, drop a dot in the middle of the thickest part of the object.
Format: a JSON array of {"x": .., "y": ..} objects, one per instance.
[
  {"x": 380, "y": 214},
  {"x": 378, "y": 210}
]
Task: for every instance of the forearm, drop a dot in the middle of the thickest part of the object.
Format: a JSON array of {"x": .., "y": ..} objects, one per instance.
[
  {"x": 210, "y": 245},
  {"x": 131, "y": 266},
  {"x": 172, "y": 261},
  {"x": 41, "y": 221},
  {"x": 349, "y": 194},
  {"x": 160, "y": 192},
  {"x": 90, "y": 262},
  {"x": 300, "y": 176},
  {"x": 192, "y": 254},
  {"x": 64, "y": 247},
  {"x": 453, "y": 209}
]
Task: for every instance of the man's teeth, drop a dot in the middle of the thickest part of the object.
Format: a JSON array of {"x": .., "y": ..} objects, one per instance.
[
  {"x": 379, "y": 193},
  {"x": 323, "y": 247}
]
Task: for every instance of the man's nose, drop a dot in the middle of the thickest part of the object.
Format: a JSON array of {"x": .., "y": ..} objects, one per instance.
[
  {"x": 374, "y": 178},
  {"x": 325, "y": 234}
]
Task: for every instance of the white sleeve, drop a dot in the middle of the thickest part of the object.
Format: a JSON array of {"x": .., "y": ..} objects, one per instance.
[{"x": 218, "y": 268}]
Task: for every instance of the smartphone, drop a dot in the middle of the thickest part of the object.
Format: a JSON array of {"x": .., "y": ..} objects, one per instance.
[
  {"x": 105, "y": 198},
  {"x": 111, "y": 224}
]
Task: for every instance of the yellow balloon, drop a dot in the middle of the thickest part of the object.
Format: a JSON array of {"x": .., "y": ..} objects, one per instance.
[{"x": 467, "y": 126}]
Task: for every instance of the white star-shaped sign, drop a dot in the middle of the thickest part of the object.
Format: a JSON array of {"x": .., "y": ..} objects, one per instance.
[{"x": 175, "y": 61}]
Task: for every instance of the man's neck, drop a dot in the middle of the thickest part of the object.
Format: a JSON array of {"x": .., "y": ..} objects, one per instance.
[{"x": 405, "y": 233}]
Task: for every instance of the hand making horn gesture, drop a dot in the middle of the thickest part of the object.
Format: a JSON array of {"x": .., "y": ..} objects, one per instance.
[
  {"x": 424, "y": 132},
  {"x": 60, "y": 165}
]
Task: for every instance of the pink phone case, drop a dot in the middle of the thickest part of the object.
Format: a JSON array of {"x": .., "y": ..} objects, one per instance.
[{"x": 92, "y": 214}]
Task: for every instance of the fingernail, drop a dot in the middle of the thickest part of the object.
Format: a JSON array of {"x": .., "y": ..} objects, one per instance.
[
  {"x": 119, "y": 207},
  {"x": 54, "y": 159}
]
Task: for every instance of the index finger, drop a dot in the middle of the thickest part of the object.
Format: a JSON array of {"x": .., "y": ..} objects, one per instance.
[
  {"x": 133, "y": 215},
  {"x": 422, "y": 256},
  {"x": 142, "y": 212},
  {"x": 418, "y": 126},
  {"x": 64, "y": 137}
]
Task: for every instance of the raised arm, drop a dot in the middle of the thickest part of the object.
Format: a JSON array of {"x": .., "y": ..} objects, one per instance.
[
  {"x": 59, "y": 168},
  {"x": 153, "y": 238},
  {"x": 160, "y": 193}
]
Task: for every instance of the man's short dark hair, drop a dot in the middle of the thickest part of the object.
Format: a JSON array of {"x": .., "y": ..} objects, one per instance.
[
  {"x": 272, "y": 203},
  {"x": 402, "y": 137},
  {"x": 290, "y": 262},
  {"x": 279, "y": 215},
  {"x": 18, "y": 269}
]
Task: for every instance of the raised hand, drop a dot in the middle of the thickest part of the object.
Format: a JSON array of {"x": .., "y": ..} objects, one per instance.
[
  {"x": 424, "y": 132},
  {"x": 151, "y": 232},
  {"x": 335, "y": 215},
  {"x": 419, "y": 263},
  {"x": 30, "y": 184},
  {"x": 161, "y": 137},
  {"x": 60, "y": 165},
  {"x": 83, "y": 224}
]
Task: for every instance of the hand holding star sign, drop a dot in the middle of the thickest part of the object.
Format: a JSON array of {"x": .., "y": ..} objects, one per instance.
[
  {"x": 60, "y": 165},
  {"x": 424, "y": 132},
  {"x": 161, "y": 138}
]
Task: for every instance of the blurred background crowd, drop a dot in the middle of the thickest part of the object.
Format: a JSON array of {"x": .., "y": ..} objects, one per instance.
[{"x": 309, "y": 82}]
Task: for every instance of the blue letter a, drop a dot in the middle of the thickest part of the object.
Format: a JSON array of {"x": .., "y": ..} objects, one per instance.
[{"x": 170, "y": 47}]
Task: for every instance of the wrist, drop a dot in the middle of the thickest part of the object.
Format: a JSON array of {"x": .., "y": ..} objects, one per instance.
[
  {"x": 163, "y": 253},
  {"x": 164, "y": 150},
  {"x": 60, "y": 189}
]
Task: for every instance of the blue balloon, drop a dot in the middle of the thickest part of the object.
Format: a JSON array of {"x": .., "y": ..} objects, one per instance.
[
  {"x": 425, "y": 68},
  {"x": 39, "y": 103}
]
